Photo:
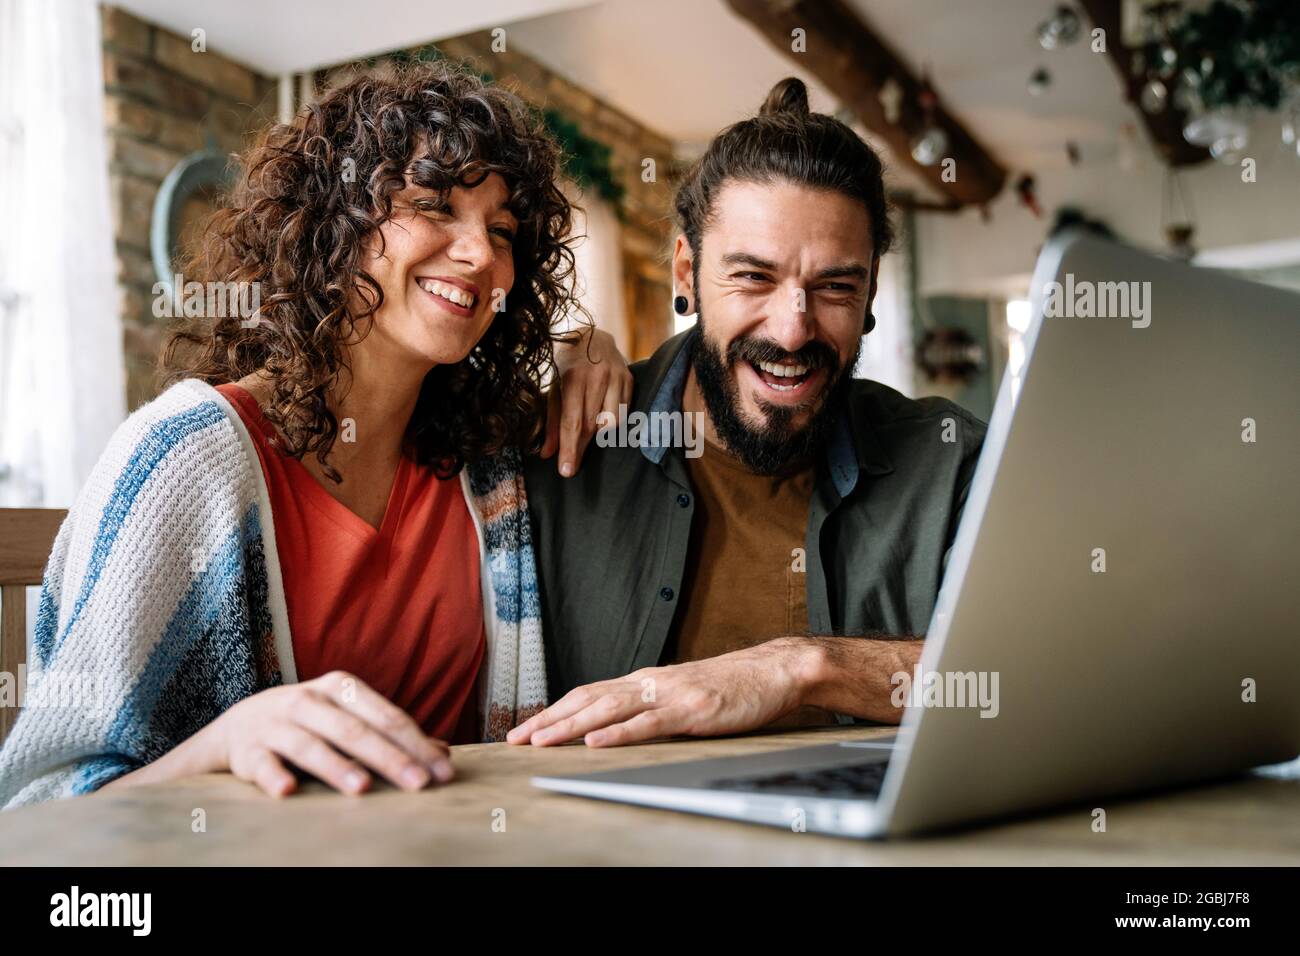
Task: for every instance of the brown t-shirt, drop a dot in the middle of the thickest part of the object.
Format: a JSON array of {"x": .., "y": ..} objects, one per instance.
[{"x": 745, "y": 581}]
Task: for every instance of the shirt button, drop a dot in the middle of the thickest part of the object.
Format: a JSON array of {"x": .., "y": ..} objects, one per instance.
[
  {"x": 684, "y": 500},
  {"x": 666, "y": 593}
]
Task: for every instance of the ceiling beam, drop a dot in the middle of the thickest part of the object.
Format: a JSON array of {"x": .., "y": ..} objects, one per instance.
[
  {"x": 1166, "y": 127},
  {"x": 905, "y": 199},
  {"x": 854, "y": 63}
]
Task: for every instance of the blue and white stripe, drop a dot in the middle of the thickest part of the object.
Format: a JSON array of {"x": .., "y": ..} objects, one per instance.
[{"x": 164, "y": 583}]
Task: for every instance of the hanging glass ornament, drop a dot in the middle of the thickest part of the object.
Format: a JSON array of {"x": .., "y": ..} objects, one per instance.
[
  {"x": 1187, "y": 94},
  {"x": 1188, "y": 100},
  {"x": 1166, "y": 60},
  {"x": 1061, "y": 29},
  {"x": 1214, "y": 126},
  {"x": 929, "y": 147},
  {"x": 1291, "y": 120},
  {"x": 1154, "y": 96},
  {"x": 891, "y": 100},
  {"x": 1228, "y": 149}
]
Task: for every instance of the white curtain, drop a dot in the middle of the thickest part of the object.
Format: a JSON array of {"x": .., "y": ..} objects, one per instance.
[
  {"x": 599, "y": 255},
  {"x": 886, "y": 355},
  {"x": 62, "y": 388}
]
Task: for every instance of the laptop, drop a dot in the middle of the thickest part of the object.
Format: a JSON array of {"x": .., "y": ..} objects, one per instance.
[{"x": 1125, "y": 566}]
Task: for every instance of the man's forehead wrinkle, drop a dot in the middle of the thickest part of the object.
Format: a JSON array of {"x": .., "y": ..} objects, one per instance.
[
  {"x": 740, "y": 257},
  {"x": 847, "y": 268}
]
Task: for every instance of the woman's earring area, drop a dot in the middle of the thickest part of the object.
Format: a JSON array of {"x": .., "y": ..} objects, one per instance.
[{"x": 681, "y": 305}]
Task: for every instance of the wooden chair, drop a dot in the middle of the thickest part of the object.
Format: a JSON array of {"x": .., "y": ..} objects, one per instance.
[{"x": 26, "y": 537}]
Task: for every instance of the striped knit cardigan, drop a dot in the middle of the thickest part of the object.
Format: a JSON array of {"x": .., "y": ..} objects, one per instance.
[{"x": 163, "y": 602}]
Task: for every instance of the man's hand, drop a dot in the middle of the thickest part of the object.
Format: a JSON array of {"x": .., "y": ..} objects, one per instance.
[
  {"x": 731, "y": 693},
  {"x": 727, "y": 694}
]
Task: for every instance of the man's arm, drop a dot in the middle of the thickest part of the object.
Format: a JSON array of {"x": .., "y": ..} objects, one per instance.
[
  {"x": 857, "y": 675},
  {"x": 731, "y": 693}
]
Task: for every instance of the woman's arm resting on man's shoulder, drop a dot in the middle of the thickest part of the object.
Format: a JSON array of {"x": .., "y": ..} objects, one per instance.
[{"x": 593, "y": 381}]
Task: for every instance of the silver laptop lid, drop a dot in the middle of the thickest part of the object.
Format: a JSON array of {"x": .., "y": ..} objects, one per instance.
[{"x": 1126, "y": 564}]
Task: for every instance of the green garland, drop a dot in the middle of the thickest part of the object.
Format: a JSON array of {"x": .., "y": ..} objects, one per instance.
[
  {"x": 586, "y": 160},
  {"x": 1239, "y": 53}
]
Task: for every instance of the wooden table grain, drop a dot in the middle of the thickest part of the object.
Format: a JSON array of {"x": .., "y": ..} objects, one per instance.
[{"x": 491, "y": 815}]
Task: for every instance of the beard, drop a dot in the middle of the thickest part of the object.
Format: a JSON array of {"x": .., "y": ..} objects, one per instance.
[{"x": 777, "y": 444}]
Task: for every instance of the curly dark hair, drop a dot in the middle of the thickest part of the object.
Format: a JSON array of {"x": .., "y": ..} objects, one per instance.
[{"x": 296, "y": 225}]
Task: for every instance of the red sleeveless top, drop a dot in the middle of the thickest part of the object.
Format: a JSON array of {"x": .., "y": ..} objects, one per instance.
[{"x": 401, "y": 606}]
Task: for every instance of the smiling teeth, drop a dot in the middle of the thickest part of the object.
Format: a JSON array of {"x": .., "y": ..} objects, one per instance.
[
  {"x": 783, "y": 371},
  {"x": 449, "y": 292}
]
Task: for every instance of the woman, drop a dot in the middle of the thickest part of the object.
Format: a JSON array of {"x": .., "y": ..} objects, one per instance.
[{"x": 323, "y": 562}]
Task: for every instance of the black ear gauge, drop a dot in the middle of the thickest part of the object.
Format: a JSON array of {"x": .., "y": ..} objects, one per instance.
[
  {"x": 680, "y": 305},
  {"x": 869, "y": 324}
]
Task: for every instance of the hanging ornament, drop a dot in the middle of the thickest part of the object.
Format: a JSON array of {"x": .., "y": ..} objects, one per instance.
[
  {"x": 891, "y": 100},
  {"x": 1188, "y": 99},
  {"x": 1228, "y": 149},
  {"x": 1187, "y": 92},
  {"x": 1222, "y": 62},
  {"x": 1177, "y": 217},
  {"x": 1026, "y": 189},
  {"x": 1153, "y": 97},
  {"x": 1060, "y": 29},
  {"x": 1166, "y": 60},
  {"x": 1156, "y": 63},
  {"x": 1291, "y": 121},
  {"x": 931, "y": 145},
  {"x": 1217, "y": 126},
  {"x": 1039, "y": 81}
]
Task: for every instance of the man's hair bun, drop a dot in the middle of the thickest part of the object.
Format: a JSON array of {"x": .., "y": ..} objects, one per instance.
[
  {"x": 785, "y": 142},
  {"x": 788, "y": 96}
]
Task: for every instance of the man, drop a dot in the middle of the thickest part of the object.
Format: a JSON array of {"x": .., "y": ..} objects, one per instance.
[{"x": 790, "y": 569}]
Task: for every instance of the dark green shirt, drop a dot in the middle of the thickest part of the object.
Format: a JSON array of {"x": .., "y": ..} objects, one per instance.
[{"x": 611, "y": 542}]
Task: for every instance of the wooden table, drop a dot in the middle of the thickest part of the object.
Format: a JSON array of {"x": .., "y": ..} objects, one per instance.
[{"x": 1254, "y": 820}]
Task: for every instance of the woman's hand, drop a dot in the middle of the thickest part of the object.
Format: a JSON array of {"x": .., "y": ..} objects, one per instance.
[
  {"x": 593, "y": 379},
  {"x": 334, "y": 727}
]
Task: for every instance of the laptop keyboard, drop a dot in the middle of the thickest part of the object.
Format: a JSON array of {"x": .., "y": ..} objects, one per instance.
[{"x": 857, "y": 781}]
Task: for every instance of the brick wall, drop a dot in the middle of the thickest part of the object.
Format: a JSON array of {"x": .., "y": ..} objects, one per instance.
[{"x": 162, "y": 102}]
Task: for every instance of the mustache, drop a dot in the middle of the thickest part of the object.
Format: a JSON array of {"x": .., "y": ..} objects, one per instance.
[{"x": 815, "y": 354}]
